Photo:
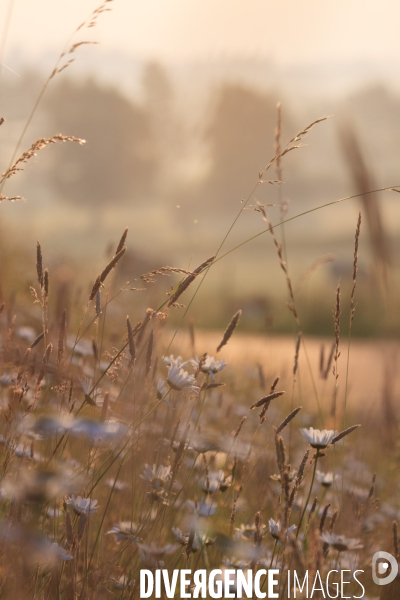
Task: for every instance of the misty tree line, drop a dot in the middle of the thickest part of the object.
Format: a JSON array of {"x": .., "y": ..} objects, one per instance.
[
  {"x": 138, "y": 149},
  {"x": 132, "y": 144}
]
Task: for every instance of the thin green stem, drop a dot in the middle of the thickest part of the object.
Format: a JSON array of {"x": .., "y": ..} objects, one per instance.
[
  {"x": 273, "y": 554},
  {"x": 309, "y": 493}
]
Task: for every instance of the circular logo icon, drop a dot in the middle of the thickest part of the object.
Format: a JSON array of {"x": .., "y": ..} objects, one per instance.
[{"x": 386, "y": 563}]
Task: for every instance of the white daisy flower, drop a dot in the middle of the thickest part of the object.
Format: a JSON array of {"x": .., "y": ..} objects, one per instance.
[
  {"x": 202, "y": 446},
  {"x": 291, "y": 476},
  {"x": 341, "y": 543},
  {"x": 82, "y": 505},
  {"x": 171, "y": 360},
  {"x": 216, "y": 480},
  {"x": 26, "y": 333},
  {"x": 53, "y": 513},
  {"x": 200, "y": 539},
  {"x": 98, "y": 430},
  {"x": 125, "y": 531},
  {"x": 156, "y": 477},
  {"x": 86, "y": 384},
  {"x": 178, "y": 379},
  {"x": 210, "y": 365},
  {"x": 25, "y": 451},
  {"x": 325, "y": 479},
  {"x": 201, "y": 509},
  {"x": 275, "y": 529},
  {"x": 60, "y": 552},
  {"x": 38, "y": 485},
  {"x": 48, "y": 552},
  {"x": 81, "y": 348},
  {"x": 117, "y": 486},
  {"x": 317, "y": 438},
  {"x": 46, "y": 425}
]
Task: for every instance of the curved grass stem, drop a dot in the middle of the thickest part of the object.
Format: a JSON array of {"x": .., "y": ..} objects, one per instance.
[{"x": 309, "y": 494}]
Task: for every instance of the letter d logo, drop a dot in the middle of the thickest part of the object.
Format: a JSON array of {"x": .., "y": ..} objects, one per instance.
[{"x": 382, "y": 567}]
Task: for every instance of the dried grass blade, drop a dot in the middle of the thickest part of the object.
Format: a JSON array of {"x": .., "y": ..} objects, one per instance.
[
  {"x": 149, "y": 353},
  {"x": 266, "y": 399},
  {"x": 230, "y": 329},
  {"x": 131, "y": 341},
  {"x": 288, "y": 419},
  {"x": 61, "y": 337},
  {"x": 343, "y": 434},
  {"x": 36, "y": 146},
  {"x": 189, "y": 279},
  {"x": 122, "y": 241},
  {"x": 37, "y": 340},
  {"x": 101, "y": 278},
  {"x": 111, "y": 265},
  {"x": 39, "y": 264}
]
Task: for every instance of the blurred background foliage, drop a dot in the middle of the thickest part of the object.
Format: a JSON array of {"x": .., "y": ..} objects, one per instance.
[{"x": 175, "y": 168}]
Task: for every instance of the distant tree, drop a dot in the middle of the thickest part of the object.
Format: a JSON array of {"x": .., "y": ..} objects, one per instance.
[
  {"x": 118, "y": 163},
  {"x": 157, "y": 90},
  {"x": 376, "y": 113},
  {"x": 241, "y": 140},
  {"x": 166, "y": 123}
]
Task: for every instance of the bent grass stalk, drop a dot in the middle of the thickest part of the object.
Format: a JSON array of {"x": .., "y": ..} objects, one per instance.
[
  {"x": 68, "y": 49},
  {"x": 309, "y": 494}
]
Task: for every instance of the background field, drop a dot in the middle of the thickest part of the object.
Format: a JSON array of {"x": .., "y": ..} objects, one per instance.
[{"x": 153, "y": 387}]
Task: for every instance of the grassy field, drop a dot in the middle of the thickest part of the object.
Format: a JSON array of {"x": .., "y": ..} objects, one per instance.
[
  {"x": 131, "y": 440},
  {"x": 119, "y": 456}
]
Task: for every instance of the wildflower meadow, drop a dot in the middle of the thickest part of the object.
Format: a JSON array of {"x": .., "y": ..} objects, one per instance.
[{"x": 133, "y": 442}]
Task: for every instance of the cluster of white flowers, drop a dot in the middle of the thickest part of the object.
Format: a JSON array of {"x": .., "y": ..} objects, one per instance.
[
  {"x": 201, "y": 509},
  {"x": 180, "y": 380},
  {"x": 171, "y": 360},
  {"x": 210, "y": 366}
]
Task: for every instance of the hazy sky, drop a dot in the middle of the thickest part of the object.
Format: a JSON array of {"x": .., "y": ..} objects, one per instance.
[{"x": 287, "y": 31}]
